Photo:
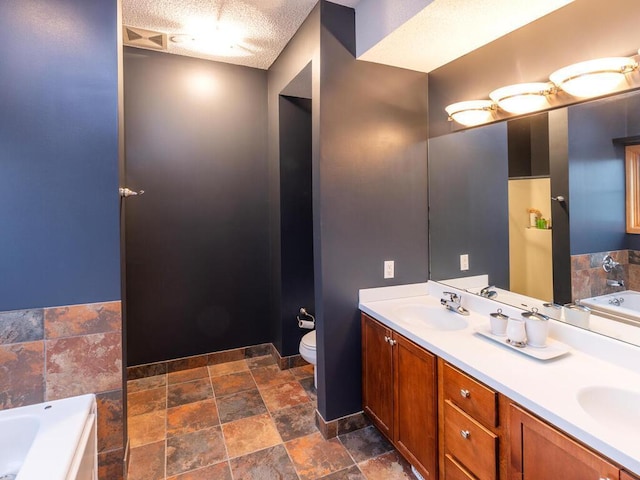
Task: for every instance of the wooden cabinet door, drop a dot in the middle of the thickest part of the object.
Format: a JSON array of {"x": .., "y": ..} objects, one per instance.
[
  {"x": 415, "y": 421},
  {"x": 539, "y": 451},
  {"x": 627, "y": 476},
  {"x": 377, "y": 374}
]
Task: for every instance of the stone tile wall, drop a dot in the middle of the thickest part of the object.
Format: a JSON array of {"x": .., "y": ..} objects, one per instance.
[
  {"x": 59, "y": 352},
  {"x": 588, "y": 278}
]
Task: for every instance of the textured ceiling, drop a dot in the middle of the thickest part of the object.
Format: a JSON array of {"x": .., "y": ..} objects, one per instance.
[
  {"x": 254, "y": 32},
  {"x": 447, "y": 29},
  {"x": 258, "y": 29}
]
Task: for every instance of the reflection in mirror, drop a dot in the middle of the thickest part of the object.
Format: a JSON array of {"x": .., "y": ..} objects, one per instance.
[{"x": 484, "y": 182}]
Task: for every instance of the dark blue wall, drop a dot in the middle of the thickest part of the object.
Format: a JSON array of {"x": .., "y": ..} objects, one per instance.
[
  {"x": 597, "y": 176},
  {"x": 296, "y": 221},
  {"x": 369, "y": 187},
  {"x": 197, "y": 241},
  {"x": 371, "y": 201},
  {"x": 469, "y": 210},
  {"x": 58, "y": 153}
]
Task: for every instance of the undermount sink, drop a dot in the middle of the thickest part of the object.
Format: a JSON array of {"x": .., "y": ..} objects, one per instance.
[
  {"x": 615, "y": 408},
  {"x": 434, "y": 317}
]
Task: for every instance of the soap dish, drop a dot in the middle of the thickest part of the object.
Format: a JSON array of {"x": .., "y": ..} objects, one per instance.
[{"x": 553, "y": 349}]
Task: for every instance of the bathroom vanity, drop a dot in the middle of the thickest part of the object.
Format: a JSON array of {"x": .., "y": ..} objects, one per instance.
[{"x": 458, "y": 405}]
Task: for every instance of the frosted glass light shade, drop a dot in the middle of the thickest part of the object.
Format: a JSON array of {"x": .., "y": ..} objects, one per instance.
[
  {"x": 593, "y": 77},
  {"x": 473, "y": 112},
  {"x": 522, "y": 97}
]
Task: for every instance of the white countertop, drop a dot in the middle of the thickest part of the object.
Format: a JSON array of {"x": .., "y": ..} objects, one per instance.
[{"x": 547, "y": 388}]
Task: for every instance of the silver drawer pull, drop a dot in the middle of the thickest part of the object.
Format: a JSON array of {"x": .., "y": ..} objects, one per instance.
[
  {"x": 465, "y": 393},
  {"x": 467, "y": 434}
]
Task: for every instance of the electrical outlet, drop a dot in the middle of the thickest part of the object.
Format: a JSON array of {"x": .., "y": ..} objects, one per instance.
[
  {"x": 464, "y": 262},
  {"x": 389, "y": 269}
]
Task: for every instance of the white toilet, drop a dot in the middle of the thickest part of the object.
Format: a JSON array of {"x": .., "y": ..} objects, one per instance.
[{"x": 308, "y": 352}]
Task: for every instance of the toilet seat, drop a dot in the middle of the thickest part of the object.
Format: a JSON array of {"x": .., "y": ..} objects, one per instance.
[{"x": 309, "y": 340}]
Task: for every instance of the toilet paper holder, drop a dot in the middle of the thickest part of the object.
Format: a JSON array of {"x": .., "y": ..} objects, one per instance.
[{"x": 304, "y": 322}]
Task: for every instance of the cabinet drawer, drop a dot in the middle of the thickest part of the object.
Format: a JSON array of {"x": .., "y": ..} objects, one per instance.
[
  {"x": 454, "y": 471},
  {"x": 470, "y": 443},
  {"x": 471, "y": 396}
]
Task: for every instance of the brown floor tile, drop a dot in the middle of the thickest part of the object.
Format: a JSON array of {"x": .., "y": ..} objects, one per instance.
[
  {"x": 195, "y": 450},
  {"x": 296, "y": 421},
  {"x": 250, "y": 434},
  {"x": 146, "y": 401},
  {"x": 147, "y": 428},
  {"x": 147, "y": 462},
  {"x": 227, "y": 368},
  {"x": 302, "y": 372},
  {"x": 270, "y": 376},
  {"x": 240, "y": 405},
  {"x": 284, "y": 395},
  {"x": 190, "y": 417},
  {"x": 270, "y": 463},
  {"x": 219, "y": 471},
  {"x": 315, "y": 457},
  {"x": 188, "y": 392},
  {"x": 351, "y": 473},
  {"x": 390, "y": 466},
  {"x": 187, "y": 375},
  {"x": 261, "y": 361},
  {"x": 310, "y": 388},
  {"x": 146, "y": 383},
  {"x": 365, "y": 443},
  {"x": 232, "y": 383}
]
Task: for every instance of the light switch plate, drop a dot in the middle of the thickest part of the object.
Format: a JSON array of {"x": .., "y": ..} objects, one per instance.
[
  {"x": 464, "y": 262},
  {"x": 389, "y": 269}
]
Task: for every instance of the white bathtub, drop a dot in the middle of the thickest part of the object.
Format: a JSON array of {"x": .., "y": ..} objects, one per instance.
[
  {"x": 50, "y": 441},
  {"x": 623, "y": 306}
]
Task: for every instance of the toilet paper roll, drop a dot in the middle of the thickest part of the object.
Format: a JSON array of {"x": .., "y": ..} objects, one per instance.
[{"x": 308, "y": 324}]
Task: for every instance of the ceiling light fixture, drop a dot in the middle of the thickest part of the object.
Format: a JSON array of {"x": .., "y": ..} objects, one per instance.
[
  {"x": 593, "y": 77},
  {"x": 522, "y": 97},
  {"x": 470, "y": 113}
]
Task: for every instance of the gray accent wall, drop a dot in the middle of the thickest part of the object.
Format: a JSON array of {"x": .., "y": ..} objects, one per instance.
[{"x": 58, "y": 153}]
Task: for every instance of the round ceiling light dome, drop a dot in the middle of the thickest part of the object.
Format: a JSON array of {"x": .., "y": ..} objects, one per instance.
[
  {"x": 522, "y": 97},
  {"x": 470, "y": 113},
  {"x": 593, "y": 77}
]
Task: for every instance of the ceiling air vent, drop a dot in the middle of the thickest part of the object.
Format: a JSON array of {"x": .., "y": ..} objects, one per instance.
[{"x": 139, "y": 37}]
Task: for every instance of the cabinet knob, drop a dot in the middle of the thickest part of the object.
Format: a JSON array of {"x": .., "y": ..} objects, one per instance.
[
  {"x": 387, "y": 339},
  {"x": 392, "y": 342},
  {"x": 467, "y": 434},
  {"x": 464, "y": 393}
]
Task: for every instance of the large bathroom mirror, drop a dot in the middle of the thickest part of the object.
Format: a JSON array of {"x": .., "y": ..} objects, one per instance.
[{"x": 491, "y": 186}]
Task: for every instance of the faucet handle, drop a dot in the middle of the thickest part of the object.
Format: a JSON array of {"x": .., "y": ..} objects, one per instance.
[{"x": 452, "y": 296}]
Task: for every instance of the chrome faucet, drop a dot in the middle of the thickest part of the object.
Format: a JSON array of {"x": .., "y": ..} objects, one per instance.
[
  {"x": 453, "y": 303},
  {"x": 609, "y": 264},
  {"x": 486, "y": 292},
  {"x": 615, "y": 283}
]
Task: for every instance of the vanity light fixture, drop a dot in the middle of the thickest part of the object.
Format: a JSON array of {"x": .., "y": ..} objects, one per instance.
[
  {"x": 470, "y": 113},
  {"x": 593, "y": 77},
  {"x": 523, "y": 97}
]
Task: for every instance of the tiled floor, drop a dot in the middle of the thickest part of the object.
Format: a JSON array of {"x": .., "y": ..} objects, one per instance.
[{"x": 245, "y": 420}]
